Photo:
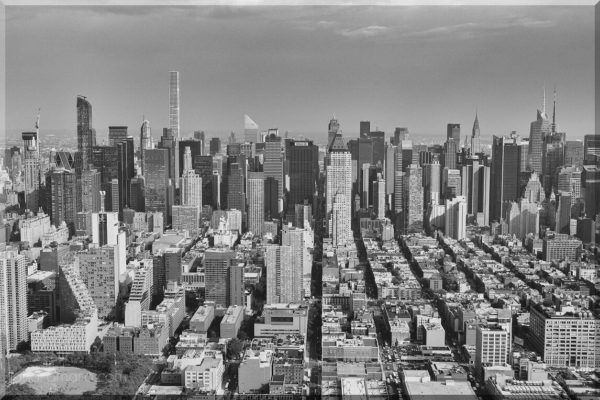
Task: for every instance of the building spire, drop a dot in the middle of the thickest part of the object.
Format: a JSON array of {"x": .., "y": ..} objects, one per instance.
[
  {"x": 554, "y": 112},
  {"x": 544, "y": 100}
]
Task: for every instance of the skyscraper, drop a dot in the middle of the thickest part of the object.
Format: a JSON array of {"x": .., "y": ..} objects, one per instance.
[
  {"x": 300, "y": 242},
  {"x": 504, "y": 174},
  {"x": 256, "y": 202},
  {"x": 278, "y": 260},
  {"x": 339, "y": 191},
  {"x": 169, "y": 141},
  {"x": 216, "y": 264},
  {"x": 453, "y": 132},
  {"x": 332, "y": 130},
  {"x": 215, "y": 146},
  {"x": 414, "y": 199},
  {"x": 475, "y": 137},
  {"x": 105, "y": 227},
  {"x": 492, "y": 345},
  {"x": 190, "y": 183},
  {"x": 157, "y": 185},
  {"x": 145, "y": 141},
  {"x": 379, "y": 192},
  {"x": 538, "y": 131},
  {"x": 86, "y": 135},
  {"x": 456, "y": 218},
  {"x": 303, "y": 170},
  {"x": 91, "y": 184},
  {"x": 174, "y": 103},
  {"x": 273, "y": 162},
  {"x": 450, "y": 150},
  {"x": 32, "y": 170},
  {"x": 61, "y": 191},
  {"x": 591, "y": 145},
  {"x": 116, "y": 134},
  {"x": 365, "y": 128},
  {"x": 100, "y": 269},
  {"x": 251, "y": 130},
  {"x": 13, "y": 300}
]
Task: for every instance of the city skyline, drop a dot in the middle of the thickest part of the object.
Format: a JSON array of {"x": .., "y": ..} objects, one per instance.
[{"x": 217, "y": 91}]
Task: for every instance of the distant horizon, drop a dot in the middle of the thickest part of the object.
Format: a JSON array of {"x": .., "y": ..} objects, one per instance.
[{"x": 295, "y": 67}]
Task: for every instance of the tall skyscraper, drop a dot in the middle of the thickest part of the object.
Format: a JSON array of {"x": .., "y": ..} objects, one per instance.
[
  {"x": 13, "y": 300},
  {"x": 256, "y": 202},
  {"x": 174, "y": 103},
  {"x": 365, "y": 128},
  {"x": 538, "y": 131},
  {"x": 574, "y": 153},
  {"x": 169, "y": 141},
  {"x": 379, "y": 192},
  {"x": 278, "y": 260},
  {"x": 32, "y": 170},
  {"x": 215, "y": 146},
  {"x": 216, "y": 264},
  {"x": 432, "y": 178},
  {"x": 453, "y": 132},
  {"x": 475, "y": 137},
  {"x": 251, "y": 130},
  {"x": 414, "y": 199},
  {"x": 236, "y": 193},
  {"x": 504, "y": 174},
  {"x": 476, "y": 188},
  {"x": 456, "y": 218},
  {"x": 61, "y": 191},
  {"x": 450, "y": 150},
  {"x": 156, "y": 165},
  {"x": 591, "y": 189},
  {"x": 273, "y": 162},
  {"x": 300, "y": 242},
  {"x": 116, "y": 134},
  {"x": 145, "y": 141},
  {"x": 91, "y": 184},
  {"x": 86, "y": 135},
  {"x": 303, "y": 170},
  {"x": 339, "y": 192},
  {"x": 591, "y": 146},
  {"x": 332, "y": 130},
  {"x": 190, "y": 183}
]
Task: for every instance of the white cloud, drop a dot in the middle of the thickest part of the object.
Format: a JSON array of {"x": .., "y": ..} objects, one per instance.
[{"x": 364, "y": 32}]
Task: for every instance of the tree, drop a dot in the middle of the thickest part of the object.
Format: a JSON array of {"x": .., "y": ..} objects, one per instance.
[
  {"x": 234, "y": 348},
  {"x": 18, "y": 390}
]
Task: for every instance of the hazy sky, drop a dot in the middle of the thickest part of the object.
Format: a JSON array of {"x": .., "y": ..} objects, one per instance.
[{"x": 295, "y": 67}]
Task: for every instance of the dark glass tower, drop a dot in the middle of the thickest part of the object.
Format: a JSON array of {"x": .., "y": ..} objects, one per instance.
[
  {"x": 506, "y": 154},
  {"x": 86, "y": 136},
  {"x": 303, "y": 169}
]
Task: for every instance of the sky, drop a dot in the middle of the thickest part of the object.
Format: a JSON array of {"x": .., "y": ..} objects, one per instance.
[{"x": 296, "y": 67}]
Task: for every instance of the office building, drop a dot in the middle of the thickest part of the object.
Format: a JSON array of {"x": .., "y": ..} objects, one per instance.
[
  {"x": 168, "y": 141},
  {"x": 303, "y": 169},
  {"x": 332, "y": 130},
  {"x": 61, "y": 191},
  {"x": 282, "y": 319},
  {"x": 280, "y": 275},
  {"x": 158, "y": 184},
  {"x": 565, "y": 336},
  {"x": 450, "y": 153},
  {"x": 13, "y": 300},
  {"x": 574, "y": 153},
  {"x": 86, "y": 135},
  {"x": 91, "y": 185},
  {"x": 140, "y": 294},
  {"x": 492, "y": 346},
  {"x": 137, "y": 190},
  {"x": 591, "y": 146},
  {"x": 190, "y": 183},
  {"x": 300, "y": 241},
  {"x": 235, "y": 285},
  {"x": 365, "y": 128},
  {"x": 185, "y": 218},
  {"x": 456, "y": 218},
  {"x": 215, "y": 146},
  {"x": 379, "y": 193},
  {"x": 105, "y": 228},
  {"x": 504, "y": 174},
  {"x": 339, "y": 192},
  {"x": 31, "y": 170},
  {"x": 251, "y": 130},
  {"x": 590, "y": 183},
  {"x": 560, "y": 247},
  {"x": 273, "y": 162},
  {"x": 174, "y": 103},
  {"x": 537, "y": 132},
  {"x": 216, "y": 264},
  {"x": 256, "y": 202},
  {"x": 452, "y": 183}
]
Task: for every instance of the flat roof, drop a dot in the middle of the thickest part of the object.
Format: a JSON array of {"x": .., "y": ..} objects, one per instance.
[{"x": 440, "y": 390}]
